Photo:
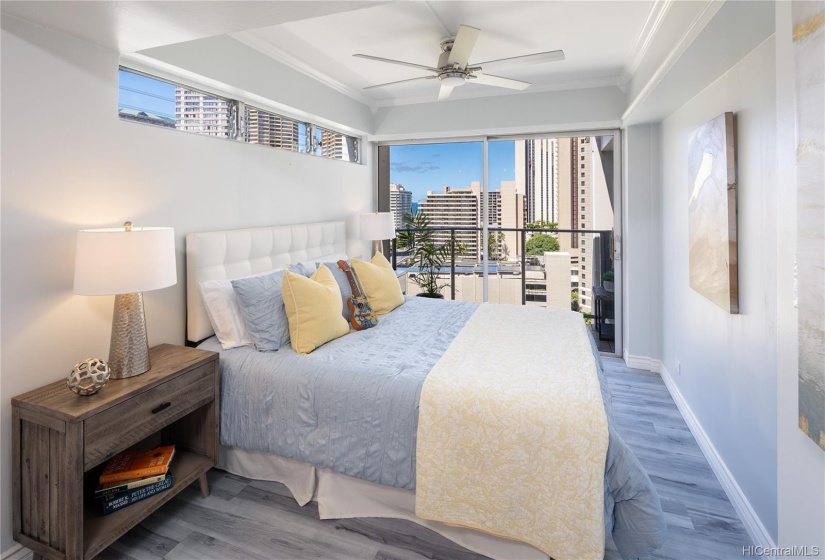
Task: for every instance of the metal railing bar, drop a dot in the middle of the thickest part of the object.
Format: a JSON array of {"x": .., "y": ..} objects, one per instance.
[
  {"x": 452, "y": 264},
  {"x": 529, "y": 230},
  {"x": 523, "y": 268}
]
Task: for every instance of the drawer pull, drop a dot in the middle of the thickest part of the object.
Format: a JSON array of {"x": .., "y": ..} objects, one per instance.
[{"x": 161, "y": 406}]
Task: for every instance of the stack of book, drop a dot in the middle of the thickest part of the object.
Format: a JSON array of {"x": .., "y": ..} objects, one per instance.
[{"x": 132, "y": 476}]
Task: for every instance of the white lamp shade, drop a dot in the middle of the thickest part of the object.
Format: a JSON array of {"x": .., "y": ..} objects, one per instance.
[
  {"x": 377, "y": 225},
  {"x": 114, "y": 261}
]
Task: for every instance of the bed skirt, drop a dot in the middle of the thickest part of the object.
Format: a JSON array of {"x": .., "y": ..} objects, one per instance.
[{"x": 343, "y": 497}]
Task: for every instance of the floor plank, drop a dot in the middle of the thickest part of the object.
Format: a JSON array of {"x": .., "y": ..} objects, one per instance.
[{"x": 250, "y": 519}]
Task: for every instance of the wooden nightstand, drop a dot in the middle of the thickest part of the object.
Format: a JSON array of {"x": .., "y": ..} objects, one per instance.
[{"x": 60, "y": 442}]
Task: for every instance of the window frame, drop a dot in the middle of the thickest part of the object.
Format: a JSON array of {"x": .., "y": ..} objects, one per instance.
[{"x": 236, "y": 115}]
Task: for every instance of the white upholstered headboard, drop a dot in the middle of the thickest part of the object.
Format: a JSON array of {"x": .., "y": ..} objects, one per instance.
[{"x": 228, "y": 254}]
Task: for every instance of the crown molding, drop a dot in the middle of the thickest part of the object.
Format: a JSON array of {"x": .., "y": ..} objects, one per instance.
[
  {"x": 585, "y": 83},
  {"x": 654, "y": 20},
  {"x": 697, "y": 25},
  {"x": 251, "y": 40}
]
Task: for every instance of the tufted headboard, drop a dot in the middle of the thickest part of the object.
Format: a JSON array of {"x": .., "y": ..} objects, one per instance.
[{"x": 228, "y": 254}]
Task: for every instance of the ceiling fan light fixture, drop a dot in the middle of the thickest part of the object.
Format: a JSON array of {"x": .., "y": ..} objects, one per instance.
[{"x": 452, "y": 79}]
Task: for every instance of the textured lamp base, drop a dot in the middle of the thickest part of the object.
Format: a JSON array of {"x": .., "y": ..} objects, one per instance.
[
  {"x": 129, "y": 347},
  {"x": 377, "y": 247}
]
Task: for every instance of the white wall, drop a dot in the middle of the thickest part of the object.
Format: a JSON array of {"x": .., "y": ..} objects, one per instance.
[
  {"x": 525, "y": 113},
  {"x": 728, "y": 362},
  {"x": 801, "y": 463},
  {"x": 68, "y": 162},
  {"x": 642, "y": 252}
]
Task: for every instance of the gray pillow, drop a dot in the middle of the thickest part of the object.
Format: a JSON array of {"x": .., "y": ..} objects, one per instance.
[
  {"x": 346, "y": 291},
  {"x": 262, "y": 307},
  {"x": 303, "y": 268}
]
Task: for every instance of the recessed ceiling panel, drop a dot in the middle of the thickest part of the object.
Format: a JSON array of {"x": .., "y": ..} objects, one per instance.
[{"x": 598, "y": 39}]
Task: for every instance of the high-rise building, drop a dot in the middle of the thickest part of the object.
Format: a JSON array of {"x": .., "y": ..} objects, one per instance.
[
  {"x": 536, "y": 174},
  {"x": 512, "y": 216},
  {"x": 455, "y": 208},
  {"x": 585, "y": 205},
  {"x": 400, "y": 203},
  {"x": 202, "y": 113},
  {"x": 332, "y": 144},
  {"x": 493, "y": 207},
  {"x": 463, "y": 208},
  {"x": 270, "y": 129},
  {"x": 562, "y": 180}
]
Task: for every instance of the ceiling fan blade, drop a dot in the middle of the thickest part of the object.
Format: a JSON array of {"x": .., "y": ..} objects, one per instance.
[
  {"x": 498, "y": 81},
  {"x": 444, "y": 92},
  {"x": 518, "y": 61},
  {"x": 402, "y": 81},
  {"x": 400, "y": 62},
  {"x": 463, "y": 45}
]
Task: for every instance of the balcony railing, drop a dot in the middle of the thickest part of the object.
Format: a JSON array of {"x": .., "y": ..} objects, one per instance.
[{"x": 550, "y": 283}]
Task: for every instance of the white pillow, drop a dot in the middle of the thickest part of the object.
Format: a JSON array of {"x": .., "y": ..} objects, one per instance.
[{"x": 225, "y": 313}]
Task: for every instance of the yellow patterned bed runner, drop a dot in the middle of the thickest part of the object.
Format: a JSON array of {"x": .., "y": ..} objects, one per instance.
[{"x": 512, "y": 432}]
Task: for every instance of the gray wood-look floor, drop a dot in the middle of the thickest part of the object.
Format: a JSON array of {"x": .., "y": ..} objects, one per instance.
[{"x": 247, "y": 519}]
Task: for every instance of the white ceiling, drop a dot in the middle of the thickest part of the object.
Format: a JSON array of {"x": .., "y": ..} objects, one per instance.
[
  {"x": 601, "y": 40},
  {"x": 131, "y": 25}
]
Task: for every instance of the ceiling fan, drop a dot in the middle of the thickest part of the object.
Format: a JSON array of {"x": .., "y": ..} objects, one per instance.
[{"x": 453, "y": 69}]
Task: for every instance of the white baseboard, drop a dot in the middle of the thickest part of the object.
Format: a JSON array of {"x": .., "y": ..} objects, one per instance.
[
  {"x": 17, "y": 552},
  {"x": 759, "y": 535},
  {"x": 642, "y": 362}
]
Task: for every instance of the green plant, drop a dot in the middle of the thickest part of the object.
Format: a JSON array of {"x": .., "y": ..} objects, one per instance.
[
  {"x": 542, "y": 224},
  {"x": 424, "y": 253},
  {"x": 607, "y": 276},
  {"x": 496, "y": 243},
  {"x": 542, "y": 243}
]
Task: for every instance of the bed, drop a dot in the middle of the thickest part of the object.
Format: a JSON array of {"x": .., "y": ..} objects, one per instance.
[{"x": 339, "y": 425}]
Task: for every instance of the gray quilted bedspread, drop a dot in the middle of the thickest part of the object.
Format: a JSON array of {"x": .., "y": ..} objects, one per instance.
[{"x": 352, "y": 406}]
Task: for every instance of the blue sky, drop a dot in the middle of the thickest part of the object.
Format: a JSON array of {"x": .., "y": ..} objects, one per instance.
[
  {"x": 146, "y": 94},
  {"x": 431, "y": 167}
]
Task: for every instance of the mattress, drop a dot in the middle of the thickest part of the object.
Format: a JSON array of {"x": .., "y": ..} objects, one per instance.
[{"x": 351, "y": 406}]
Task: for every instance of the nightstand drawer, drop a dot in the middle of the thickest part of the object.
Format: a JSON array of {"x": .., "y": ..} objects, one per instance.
[{"x": 127, "y": 423}]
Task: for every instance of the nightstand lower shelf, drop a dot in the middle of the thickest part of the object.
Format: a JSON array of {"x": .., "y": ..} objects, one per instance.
[{"x": 99, "y": 531}]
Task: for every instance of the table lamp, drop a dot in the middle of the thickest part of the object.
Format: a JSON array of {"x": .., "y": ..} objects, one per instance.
[
  {"x": 125, "y": 262},
  {"x": 376, "y": 227}
]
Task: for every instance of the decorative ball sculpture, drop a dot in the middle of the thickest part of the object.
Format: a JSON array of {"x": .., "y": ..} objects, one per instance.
[{"x": 88, "y": 376}]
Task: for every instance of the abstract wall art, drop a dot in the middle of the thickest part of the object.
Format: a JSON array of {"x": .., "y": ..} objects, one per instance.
[
  {"x": 712, "y": 212},
  {"x": 809, "y": 69}
]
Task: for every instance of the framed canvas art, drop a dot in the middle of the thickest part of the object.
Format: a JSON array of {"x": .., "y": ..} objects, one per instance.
[
  {"x": 809, "y": 69},
  {"x": 712, "y": 212}
]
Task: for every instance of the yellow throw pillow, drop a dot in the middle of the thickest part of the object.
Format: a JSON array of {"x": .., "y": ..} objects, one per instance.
[
  {"x": 379, "y": 282},
  {"x": 313, "y": 309}
]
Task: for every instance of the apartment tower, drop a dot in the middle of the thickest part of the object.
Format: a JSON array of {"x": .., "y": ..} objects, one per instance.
[
  {"x": 455, "y": 208},
  {"x": 271, "y": 129},
  {"x": 400, "y": 203},
  {"x": 512, "y": 216},
  {"x": 536, "y": 174},
  {"x": 201, "y": 113},
  {"x": 563, "y": 180}
]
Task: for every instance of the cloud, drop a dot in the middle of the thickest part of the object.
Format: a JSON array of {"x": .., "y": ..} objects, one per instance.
[{"x": 421, "y": 167}]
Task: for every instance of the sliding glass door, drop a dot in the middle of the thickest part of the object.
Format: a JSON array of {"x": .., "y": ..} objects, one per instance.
[{"x": 524, "y": 220}]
